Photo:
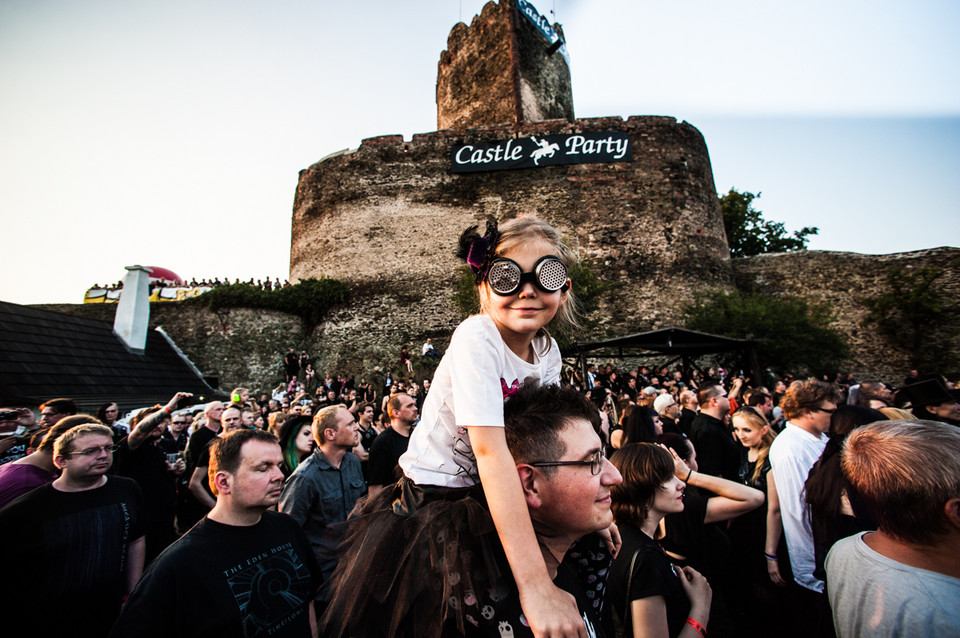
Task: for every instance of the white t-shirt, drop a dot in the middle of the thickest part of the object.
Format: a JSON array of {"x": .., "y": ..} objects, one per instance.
[
  {"x": 792, "y": 454},
  {"x": 477, "y": 372},
  {"x": 872, "y": 595}
]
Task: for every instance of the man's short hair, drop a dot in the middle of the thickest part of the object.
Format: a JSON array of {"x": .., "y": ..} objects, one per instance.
[
  {"x": 758, "y": 398},
  {"x": 62, "y": 406},
  {"x": 535, "y": 415},
  {"x": 904, "y": 473},
  {"x": 363, "y": 406},
  {"x": 807, "y": 395},
  {"x": 52, "y": 434},
  {"x": 394, "y": 404},
  {"x": 64, "y": 444},
  {"x": 868, "y": 392},
  {"x": 325, "y": 419},
  {"x": 662, "y": 402},
  {"x": 225, "y": 452},
  {"x": 708, "y": 390}
]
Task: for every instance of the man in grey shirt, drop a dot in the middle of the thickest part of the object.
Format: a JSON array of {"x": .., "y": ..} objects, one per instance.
[
  {"x": 903, "y": 579},
  {"x": 322, "y": 491}
]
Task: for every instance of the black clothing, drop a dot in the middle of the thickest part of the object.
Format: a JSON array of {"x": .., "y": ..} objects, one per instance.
[
  {"x": 65, "y": 568},
  {"x": 653, "y": 575},
  {"x": 170, "y": 445},
  {"x": 385, "y": 455},
  {"x": 189, "y": 509},
  {"x": 148, "y": 467},
  {"x": 718, "y": 454},
  {"x": 686, "y": 420},
  {"x": 225, "y": 581},
  {"x": 496, "y": 610},
  {"x": 670, "y": 426}
]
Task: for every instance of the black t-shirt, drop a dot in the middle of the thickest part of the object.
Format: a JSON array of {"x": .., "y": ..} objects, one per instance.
[
  {"x": 147, "y": 466},
  {"x": 495, "y": 611},
  {"x": 227, "y": 581},
  {"x": 66, "y": 559},
  {"x": 653, "y": 575},
  {"x": 385, "y": 454},
  {"x": 198, "y": 442},
  {"x": 704, "y": 547},
  {"x": 718, "y": 454}
]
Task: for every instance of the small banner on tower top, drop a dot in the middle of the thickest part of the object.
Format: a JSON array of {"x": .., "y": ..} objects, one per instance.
[
  {"x": 543, "y": 25},
  {"x": 545, "y": 150}
]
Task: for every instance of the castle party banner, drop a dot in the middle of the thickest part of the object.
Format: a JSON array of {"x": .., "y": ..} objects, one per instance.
[{"x": 546, "y": 150}]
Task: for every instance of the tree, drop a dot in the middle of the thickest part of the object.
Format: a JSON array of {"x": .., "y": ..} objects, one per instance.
[
  {"x": 748, "y": 233},
  {"x": 914, "y": 314},
  {"x": 795, "y": 336}
]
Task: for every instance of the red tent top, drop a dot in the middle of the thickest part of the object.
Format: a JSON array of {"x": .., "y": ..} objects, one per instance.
[{"x": 164, "y": 273}]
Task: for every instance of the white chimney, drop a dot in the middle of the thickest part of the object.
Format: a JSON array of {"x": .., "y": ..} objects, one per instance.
[{"x": 133, "y": 310}]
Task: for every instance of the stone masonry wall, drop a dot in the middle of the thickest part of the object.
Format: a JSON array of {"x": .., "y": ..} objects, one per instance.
[
  {"x": 363, "y": 338},
  {"x": 843, "y": 280},
  {"x": 496, "y": 72},
  {"x": 389, "y": 213}
]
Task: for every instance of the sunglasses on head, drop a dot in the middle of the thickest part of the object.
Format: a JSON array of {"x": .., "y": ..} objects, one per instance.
[{"x": 506, "y": 278}]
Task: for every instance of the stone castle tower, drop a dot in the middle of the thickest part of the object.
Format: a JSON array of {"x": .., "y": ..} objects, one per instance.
[
  {"x": 505, "y": 68},
  {"x": 385, "y": 217}
]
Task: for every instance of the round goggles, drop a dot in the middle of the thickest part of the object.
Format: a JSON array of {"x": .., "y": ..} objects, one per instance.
[{"x": 506, "y": 278}]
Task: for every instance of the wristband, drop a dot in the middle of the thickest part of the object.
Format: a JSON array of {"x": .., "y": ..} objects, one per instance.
[
  {"x": 689, "y": 474},
  {"x": 696, "y": 625},
  {"x": 167, "y": 410},
  {"x": 770, "y": 556}
]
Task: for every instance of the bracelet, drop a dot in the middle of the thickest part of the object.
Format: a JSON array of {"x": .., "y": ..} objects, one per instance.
[
  {"x": 167, "y": 410},
  {"x": 689, "y": 474},
  {"x": 770, "y": 556},
  {"x": 696, "y": 625}
]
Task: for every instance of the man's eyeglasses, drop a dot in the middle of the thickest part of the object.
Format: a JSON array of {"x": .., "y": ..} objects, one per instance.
[
  {"x": 825, "y": 410},
  {"x": 93, "y": 451},
  {"x": 595, "y": 462}
]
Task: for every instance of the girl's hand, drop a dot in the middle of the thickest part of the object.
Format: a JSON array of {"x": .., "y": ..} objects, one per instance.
[
  {"x": 553, "y": 613},
  {"x": 680, "y": 469},
  {"x": 773, "y": 569},
  {"x": 697, "y": 588},
  {"x": 611, "y": 538}
]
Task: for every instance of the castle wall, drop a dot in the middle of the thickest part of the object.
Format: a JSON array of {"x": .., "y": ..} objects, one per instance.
[
  {"x": 843, "y": 281},
  {"x": 388, "y": 215}
]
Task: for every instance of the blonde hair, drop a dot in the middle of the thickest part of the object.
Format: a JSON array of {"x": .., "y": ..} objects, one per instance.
[
  {"x": 523, "y": 229},
  {"x": 898, "y": 414},
  {"x": 64, "y": 444},
  {"x": 904, "y": 473},
  {"x": 756, "y": 420}
]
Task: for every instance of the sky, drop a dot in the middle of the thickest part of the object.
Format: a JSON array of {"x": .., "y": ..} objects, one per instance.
[{"x": 172, "y": 133}]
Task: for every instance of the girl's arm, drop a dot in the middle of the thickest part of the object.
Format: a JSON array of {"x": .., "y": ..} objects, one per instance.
[
  {"x": 550, "y": 611},
  {"x": 774, "y": 531},
  {"x": 732, "y": 499}
]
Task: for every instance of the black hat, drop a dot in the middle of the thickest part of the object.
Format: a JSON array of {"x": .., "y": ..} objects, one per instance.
[{"x": 928, "y": 392}]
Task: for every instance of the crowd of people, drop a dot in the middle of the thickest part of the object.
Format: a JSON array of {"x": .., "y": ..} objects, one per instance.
[
  {"x": 262, "y": 284},
  {"x": 503, "y": 495}
]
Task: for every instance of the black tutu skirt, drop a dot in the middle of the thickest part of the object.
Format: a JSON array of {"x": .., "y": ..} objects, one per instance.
[{"x": 410, "y": 559}]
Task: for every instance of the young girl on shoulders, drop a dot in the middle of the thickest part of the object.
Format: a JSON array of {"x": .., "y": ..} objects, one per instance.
[{"x": 412, "y": 557}]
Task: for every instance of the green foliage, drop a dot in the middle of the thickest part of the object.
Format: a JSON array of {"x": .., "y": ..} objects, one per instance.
[
  {"x": 310, "y": 299},
  {"x": 748, "y": 233},
  {"x": 586, "y": 286},
  {"x": 795, "y": 336},
  {"x": 914, "y": 314}
]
